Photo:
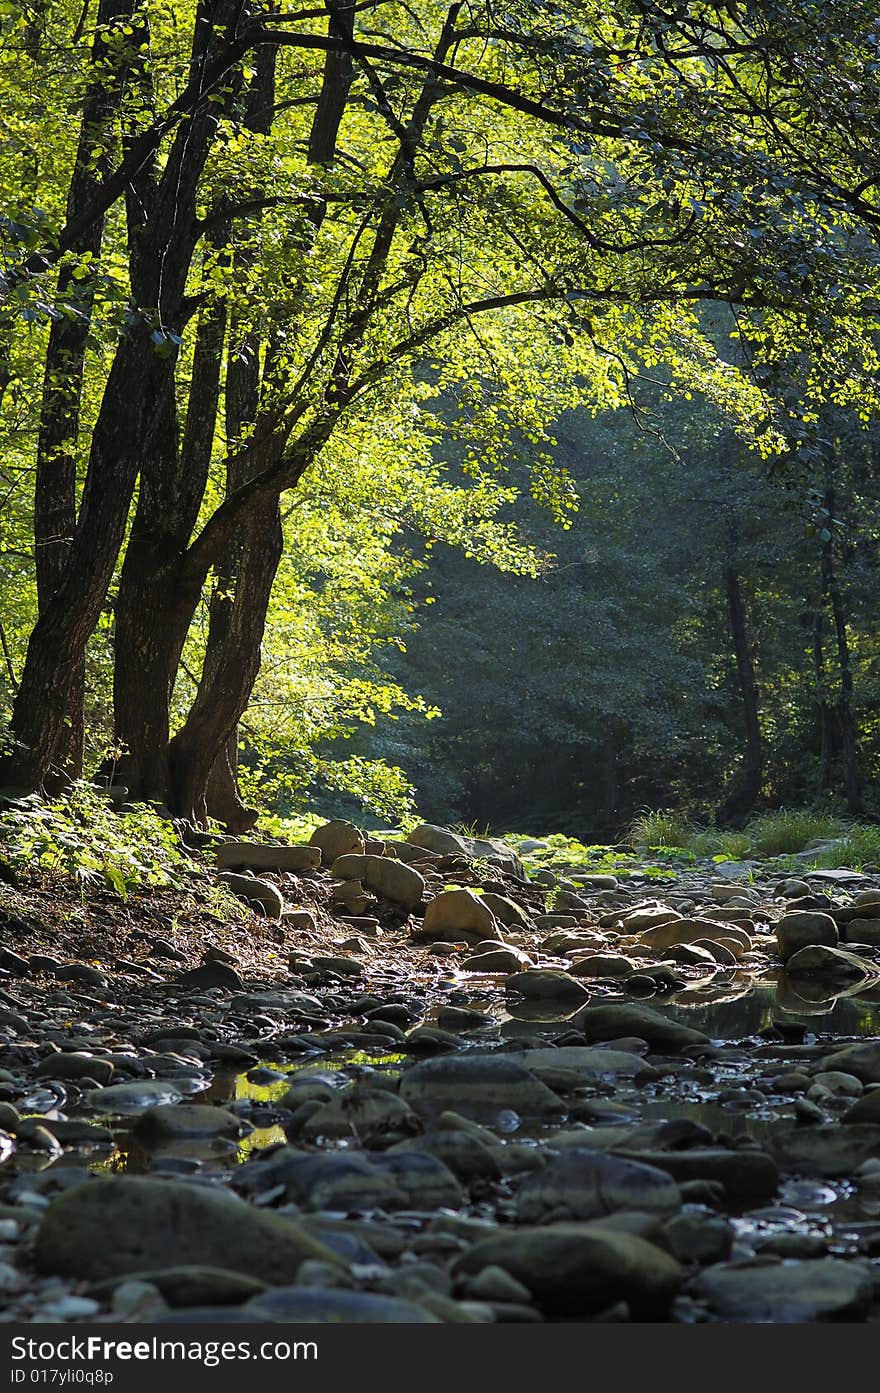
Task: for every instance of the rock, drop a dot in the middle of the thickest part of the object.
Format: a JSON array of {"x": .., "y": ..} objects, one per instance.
[
  {"x": 506, "y": 911},
  {"x": 197, "y": 1120},
  {"x": 303, "y": 1305},
  {"x": 546, "y": 984},
  {"x": 588, "y": 1064},
  {"x": 838, "y": 1083},
  {"x": 345, "y": 1181},
  {"x": 863, "y": 931},
  {"x": 300, "y": 919},
  {"x": 863, "y": 1061},
  {"x": 494, "y": 1284},
  {"x": 735, "y": 870},
  {"x": 467, "y": 1156},
  {"x": 818, "y": 960},
  {"x": 446, "y": 843},
  {"x": 75, "y": 1066},
  {"x": 458, "y": 914},
  {"x": 392, "y": 880},
  {"x": 132, "y": 1224},
  {"x": 190, "y": 1285},
  {"x": 803, "y": 929},
  {"x": 621, "y": 1018},
  {"x": 793, "y": 889},
  {"x": 585, "y": 1184},
  {"x": 701, "y": 1238},
  {"x": 742, "y": 1172},
  {"x": 812, "y": 1290},
  {"x": 212, "y": 974},
  {"x": 128, "y": 1099},
  {"x": 826, "y": 1151},
  {"x": 423, "y": 1179},
  {"x": 867, "y": 1109},
  {"x": 342, "y": 967},
  {"x": 337, "y": 838},
  {"x": 497, "y": 960},
  {"x": 255, "y": 891},
  {"x": 81, "y": 972},
  {"x": 695, "y": 931},
  {"x": 612, "y": 965},
  {"x": 477, "y": 1086},
  {"x": 362, "y": 1112},
  {"x": 266, "y": 856},
  {"x": 695, "y": 954},
  {"x": 576, "y": 1269},
  {"x": 650, "y": 917}
]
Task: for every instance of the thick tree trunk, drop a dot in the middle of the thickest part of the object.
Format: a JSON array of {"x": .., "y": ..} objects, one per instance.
[
  {"x": 59, "y": 638},
  {"x": 154, "y": 605},
  {"x": 739, "y": 800},
  {"x": 232, "y": 662},
  {"x": 55, "y": 486},
  {"x": 132, "y": 425}
]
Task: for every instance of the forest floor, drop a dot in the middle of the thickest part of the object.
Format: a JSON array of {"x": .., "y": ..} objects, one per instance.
[{"x": 459, "y": 1095}]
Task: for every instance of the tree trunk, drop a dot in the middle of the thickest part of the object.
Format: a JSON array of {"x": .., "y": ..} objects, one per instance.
[
  {"x": 132, "y": 427},
  {"x": 55, "y": 486},
  {"x": 232, "y": 662},
  {"x": 823, "y": 708},
  {"x": 739, "y": 800},
  {"x": 844, "y": 703}
]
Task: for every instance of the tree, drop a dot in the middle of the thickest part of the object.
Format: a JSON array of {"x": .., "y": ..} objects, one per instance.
[{"x": 543, "y": 197}]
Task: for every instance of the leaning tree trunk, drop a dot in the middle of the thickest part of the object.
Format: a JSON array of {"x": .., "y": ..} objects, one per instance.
[
  {"x": 232, "y": 662},
  {"x": 55, "y": 484},
  {"x": 130, "y": 429}
]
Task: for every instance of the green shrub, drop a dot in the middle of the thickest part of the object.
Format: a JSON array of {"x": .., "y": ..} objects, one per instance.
[
  {"x": 787, "y": 831},
  {"x": 660, "y": 828},
  {"x": 79, "y": 837},
  {"x": 732, "y": 846}
]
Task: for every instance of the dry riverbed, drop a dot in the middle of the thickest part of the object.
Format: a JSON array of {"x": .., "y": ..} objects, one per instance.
[{"x": 411, "y": 1084}]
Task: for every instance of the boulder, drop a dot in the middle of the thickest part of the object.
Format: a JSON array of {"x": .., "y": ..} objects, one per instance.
[
  {"x": 477, "y": 1086},
  {"x": 863, "y": 930},
  {"x": 803, "y": 929},
  {"x": 497, "y": 960},
  {"x": 316, "y": 1306},
  {"x": 196, "y": 1120},
  {"x": 390, "y": 879},
  {"x": 576, "y": 1269},
  {"x": 266, "y": 856},
  {"x": 649, "y": 917},
  {"x": 132, "y": 1223},
  {"x": 585, "y": 1184},
  {"x": 744, "y": 1172},
  {"x": 820, "y": 1289},
  {"x": 335, "y": 839},
  {"x": 827, "y": 1151},
  {"x": 612, "y": 965},
  {"x": 863, "y": 1061},
  {"x": 447, "y": 843},
  {"x": 59, "y": 1065},
  {"x": 693, "y": 931},
  {"x": 458, "y": 914},
  {"x": 622, "y": 1018},
  {"x": 255, "y": 891},
  {"x": 546, "y": 984},
  {"x": 818, "y": 960}
]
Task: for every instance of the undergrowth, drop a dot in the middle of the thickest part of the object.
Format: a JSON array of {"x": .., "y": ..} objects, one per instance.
[{"x": 79, "y": 837}]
